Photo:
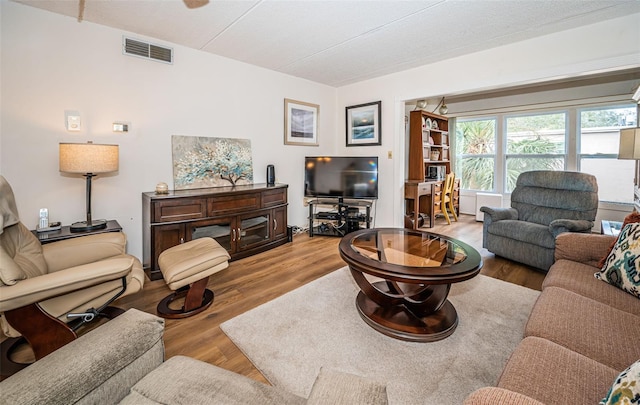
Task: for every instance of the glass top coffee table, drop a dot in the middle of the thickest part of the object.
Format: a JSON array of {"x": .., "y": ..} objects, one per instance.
[{"x": 405, "y": 277}]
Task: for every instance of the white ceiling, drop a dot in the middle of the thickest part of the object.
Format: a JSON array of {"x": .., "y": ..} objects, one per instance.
[{"x": 342, "y": 42}]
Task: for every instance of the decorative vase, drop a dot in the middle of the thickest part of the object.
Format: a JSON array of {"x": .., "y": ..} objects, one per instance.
[
  {"x": 435, "y": 155},
  {"x": 162, "y": 188}
]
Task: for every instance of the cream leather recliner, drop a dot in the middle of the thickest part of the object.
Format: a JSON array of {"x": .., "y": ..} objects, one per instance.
[{"x": 40, "y": 285}]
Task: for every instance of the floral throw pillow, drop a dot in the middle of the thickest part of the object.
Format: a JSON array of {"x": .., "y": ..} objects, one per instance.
[
  {"x": 626, "y": 387},
  {"x": 622, "y": 267}
]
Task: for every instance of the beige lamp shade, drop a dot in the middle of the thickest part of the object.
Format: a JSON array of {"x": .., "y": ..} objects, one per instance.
[
  {"x": 88, "y": 158},
  {"x": 629, "y": 144}
]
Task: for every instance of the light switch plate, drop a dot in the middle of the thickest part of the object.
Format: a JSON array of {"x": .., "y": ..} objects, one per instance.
[
  {"x": 121, "y": 127},
  {"x": 73, "y": 122}
]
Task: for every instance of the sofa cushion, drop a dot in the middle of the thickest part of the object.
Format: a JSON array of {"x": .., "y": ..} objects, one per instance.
[
  {"x": 578, "y": 277},
  {"x": 183, "y": 380},
  {"x": 359, "y": 390},
  {"x": 622, "y": 267},
  {"x": 528, "y": 232},
  {"x": 626, "y": 387},
  {"x": 552, "y": 374},
  {"x": 585, "y": 326},
  {"x": 496, "y": 396}
]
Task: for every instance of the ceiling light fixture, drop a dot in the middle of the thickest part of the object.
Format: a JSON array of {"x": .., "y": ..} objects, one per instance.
[
  {"x": 420, "y": 105},
  {"x": 443, "y": 107}
]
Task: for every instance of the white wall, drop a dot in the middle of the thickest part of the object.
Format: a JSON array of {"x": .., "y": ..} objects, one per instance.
[
  {"x": 609, "y": 45},
  {"x": 52, "y": 63}
]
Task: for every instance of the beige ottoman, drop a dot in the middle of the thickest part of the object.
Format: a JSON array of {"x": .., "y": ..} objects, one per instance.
[{"x": 186, "y": 269}]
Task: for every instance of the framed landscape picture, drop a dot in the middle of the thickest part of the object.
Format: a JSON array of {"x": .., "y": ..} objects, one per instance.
[
  {"x": 300, "y": 123},
  {"x": 363, "y": 124}
]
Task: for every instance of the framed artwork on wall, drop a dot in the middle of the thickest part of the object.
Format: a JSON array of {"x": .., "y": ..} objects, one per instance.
[
  {"x": 363, "y": 124},
  {"x": 300, "y": 123},
  {"x": 200, "y": 162}
]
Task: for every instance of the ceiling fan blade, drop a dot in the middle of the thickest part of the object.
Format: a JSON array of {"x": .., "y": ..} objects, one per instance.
[{"x": 195, "y": 3}]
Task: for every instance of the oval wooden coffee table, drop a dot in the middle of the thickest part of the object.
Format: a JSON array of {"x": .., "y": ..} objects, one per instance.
[{"x": 405, "y": 277}]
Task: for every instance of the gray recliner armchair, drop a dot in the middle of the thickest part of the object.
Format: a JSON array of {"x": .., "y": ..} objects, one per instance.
[{"x": 544, "y": 204}]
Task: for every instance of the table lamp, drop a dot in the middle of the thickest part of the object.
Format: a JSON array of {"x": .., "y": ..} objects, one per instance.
[
  {"x": 630, "y": 149},
  {"x": 629, "y": 144},
  {"x": 88, "y": 159}
]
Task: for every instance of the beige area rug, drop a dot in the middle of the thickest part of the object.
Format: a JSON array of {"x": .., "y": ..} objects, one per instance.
[{"x": 317, "y": 325}]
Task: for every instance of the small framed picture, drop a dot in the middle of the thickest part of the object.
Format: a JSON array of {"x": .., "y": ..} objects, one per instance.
[
  {"x": 363, "y": 124},
  {"x": 300, "y": 123}
]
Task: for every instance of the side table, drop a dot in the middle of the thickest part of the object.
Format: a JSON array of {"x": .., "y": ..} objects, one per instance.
[
  {"x": 610, "y": 227},
  {"x": 65, "y": 232}
]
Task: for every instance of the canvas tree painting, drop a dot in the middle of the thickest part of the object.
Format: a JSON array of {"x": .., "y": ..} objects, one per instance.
[{"x": 200, "y": 162}]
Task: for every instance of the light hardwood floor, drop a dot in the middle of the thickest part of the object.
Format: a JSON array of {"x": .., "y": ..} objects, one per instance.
[{"x": 252, "y": 281}]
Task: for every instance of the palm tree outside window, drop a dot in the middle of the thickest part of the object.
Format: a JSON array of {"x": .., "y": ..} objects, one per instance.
[
  {"x": 492, "y": 151},
  {"x": 476, "y": 146}
]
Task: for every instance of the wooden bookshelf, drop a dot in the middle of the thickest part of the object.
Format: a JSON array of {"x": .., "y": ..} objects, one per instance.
[{"x": 426, "y": 141}]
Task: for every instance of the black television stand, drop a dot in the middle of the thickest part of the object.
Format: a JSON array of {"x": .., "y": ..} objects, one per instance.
[{"x": 343, "y": 218}]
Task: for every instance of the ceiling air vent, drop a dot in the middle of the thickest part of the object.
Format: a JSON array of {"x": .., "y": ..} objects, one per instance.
[{"x": 146, "y": 50}]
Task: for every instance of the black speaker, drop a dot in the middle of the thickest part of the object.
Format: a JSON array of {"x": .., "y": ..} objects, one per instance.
[{"x": 271, "y": 175}]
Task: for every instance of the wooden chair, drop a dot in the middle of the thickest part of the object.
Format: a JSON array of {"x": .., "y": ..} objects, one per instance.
[{"x": 447, "y": 198}]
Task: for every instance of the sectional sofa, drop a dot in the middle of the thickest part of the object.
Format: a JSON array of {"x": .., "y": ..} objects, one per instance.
[
  {"x": 581, "y": 334},
  {"x": 122, "y": 362}
]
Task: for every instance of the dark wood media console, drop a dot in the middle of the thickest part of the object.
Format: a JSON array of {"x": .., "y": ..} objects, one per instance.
[{"x": 245, "y": 220}]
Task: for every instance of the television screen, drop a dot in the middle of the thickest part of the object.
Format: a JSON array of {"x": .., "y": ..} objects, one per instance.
[{"x": 341, "y": 176}]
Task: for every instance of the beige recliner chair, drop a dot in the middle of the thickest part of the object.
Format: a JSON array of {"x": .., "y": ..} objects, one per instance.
[{"x": 48, "y": 291}]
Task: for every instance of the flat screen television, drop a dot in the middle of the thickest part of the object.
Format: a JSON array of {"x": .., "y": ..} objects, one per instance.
[{"x": 351, "y": 177}]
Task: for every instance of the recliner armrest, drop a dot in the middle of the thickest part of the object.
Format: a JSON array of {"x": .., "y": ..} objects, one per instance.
[
  {"x": 83, "y": 249},
  {"x": 51, "y": 285},
  {"x": 558, "y": 226},
  {"x": 497, "y": 213},
  {"x": 494, "y": 214}
]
